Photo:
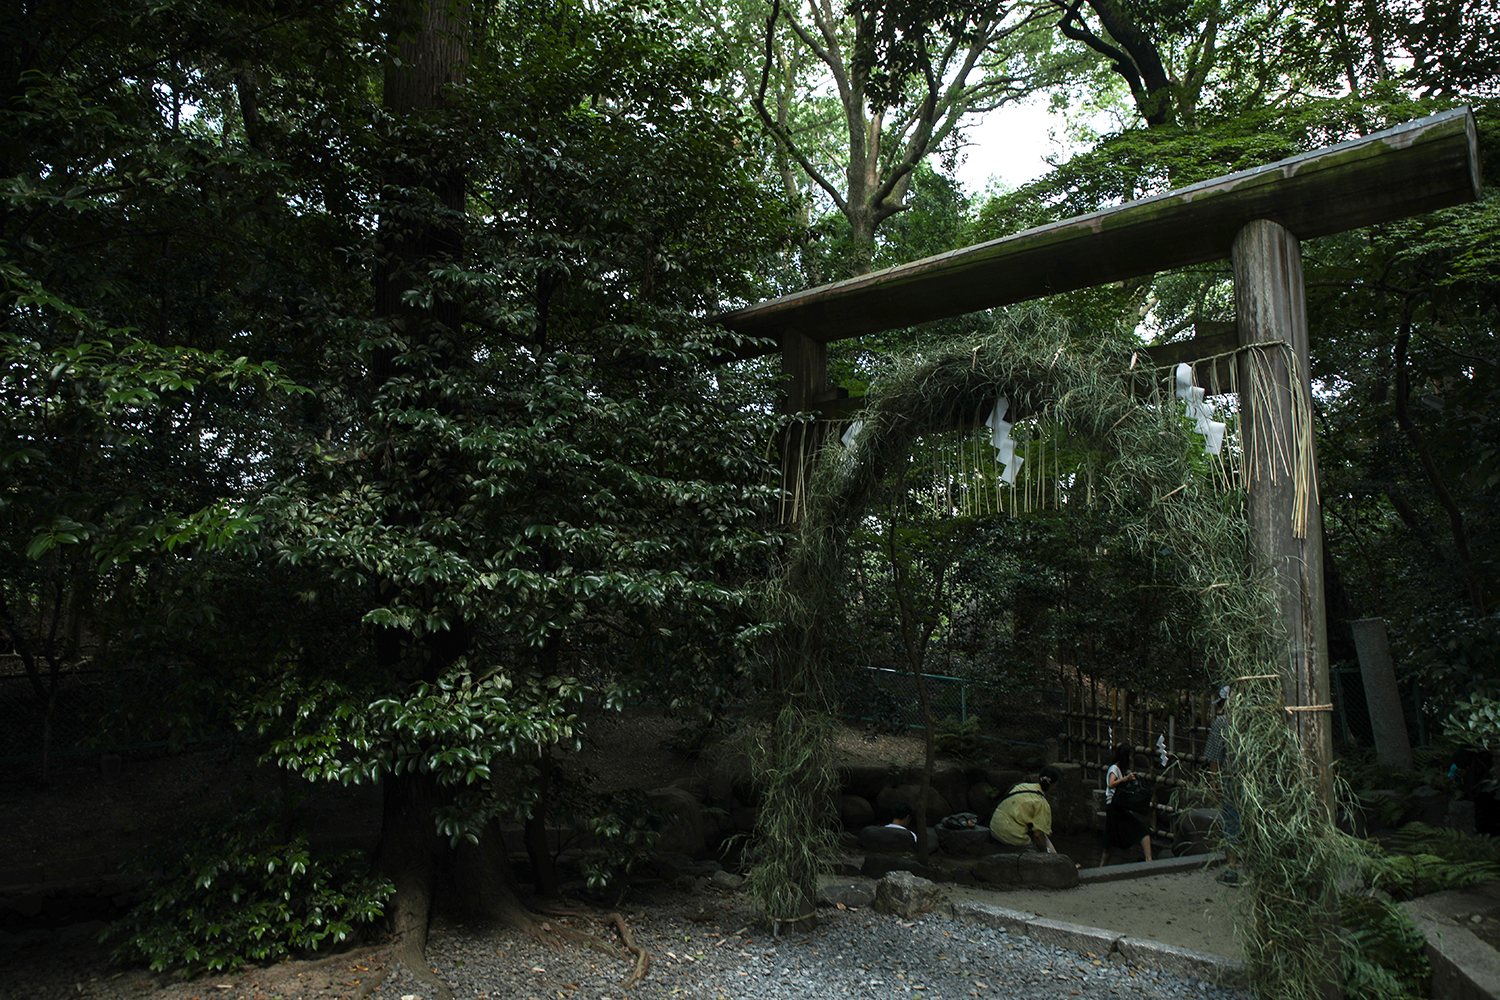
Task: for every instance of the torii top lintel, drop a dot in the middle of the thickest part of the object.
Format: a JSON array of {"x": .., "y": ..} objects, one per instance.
[{"x": 1413, "y": 168}]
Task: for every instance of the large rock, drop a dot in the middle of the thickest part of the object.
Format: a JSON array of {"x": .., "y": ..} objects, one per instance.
[
  {"x": 1047, "y": 871},
  {"x": 906, "y": 895},
  {"x": 983, "y": 797},
  {"x": 951, "y": 781},
  {"x": 669, "y": 866},
  {"x": 972, "y": 843},
  {"x": 728, "y": 779},
  {"x": 726, "y": 880},
  {"x": 1426, "y": 805},
  {"x": 1195, "y": 832},
  {"x": 742, "y": 819},
  {"x": 1072, "y": 803},
  {"x": 880, "y": 865},
  {"x": 886, "y": 840},
  {"x": 998, "y": 869},
  {"x": 864, "y": 780},
  {"x": 888, "y": 797},
  {"x": 694, "y": 784},
  {"x": 683, "y": 831},
  {"x": 855, "y": 811},
  {"x": 851, "y": 895}
]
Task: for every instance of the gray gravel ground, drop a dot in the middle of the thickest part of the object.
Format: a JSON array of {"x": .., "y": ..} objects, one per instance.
[
  {"x": 706, "y": 950},
  {"x": 704, "y": 945}
]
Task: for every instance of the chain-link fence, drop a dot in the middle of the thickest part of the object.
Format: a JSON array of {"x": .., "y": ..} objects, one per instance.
[{"x": 890, "y": 698}]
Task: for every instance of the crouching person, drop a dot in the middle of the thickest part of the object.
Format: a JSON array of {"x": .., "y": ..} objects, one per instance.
[{"x": 1024, "y": 817}]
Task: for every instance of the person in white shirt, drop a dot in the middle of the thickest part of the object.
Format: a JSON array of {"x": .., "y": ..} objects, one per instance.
[
  {"x": 1123, "y": 829},
  {"x": 903, "y": 820}
]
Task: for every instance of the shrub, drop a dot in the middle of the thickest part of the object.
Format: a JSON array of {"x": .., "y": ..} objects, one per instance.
[
  {"x": 224, "y": 897},
  {"x": 959, "y": 740}
]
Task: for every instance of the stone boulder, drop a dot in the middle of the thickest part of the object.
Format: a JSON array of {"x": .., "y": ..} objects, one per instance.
[
  {"x": 1046, "y": 871},
  {"x": 683, "y": 833},
  {"x": 905, "y": 895},
  {"x": 971, "y": 843},
  {"x": 1196, "y": 831},
  {"x": 983, "y": 797},
  {"x": 726, "y": 880},
  {"x": 669, "y": 866},
  {"x": 850, "y": 895},
  {"x": 1072, "y": 803},
  {"x": 890, "y": 840},
  {"x": 937, "y": 806},
  {"x": 952, "y": 782},
  {"x": 998, "y": 869},
  {"x": 727, "y": 780},
  {"x": 1426, "y": 805},
  {"x": 886, "y": 839},
  {"x": 880, "y": 865},
  {"x": 864, "y": 780},
  {"x": 1001, "y": 779},
  {"x": 742, "y": 819},
  {"x": 855, "y": 811}
]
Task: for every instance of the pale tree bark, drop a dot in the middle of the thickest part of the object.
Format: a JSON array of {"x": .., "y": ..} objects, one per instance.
[{"x": 868, "y": 176}]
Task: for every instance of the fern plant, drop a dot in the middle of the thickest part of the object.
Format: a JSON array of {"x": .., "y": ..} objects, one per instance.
[
  {"x": 1384, "y": 956},
  {"x": 960, "y": 740},
  {"x": 1426, "y": 859}
]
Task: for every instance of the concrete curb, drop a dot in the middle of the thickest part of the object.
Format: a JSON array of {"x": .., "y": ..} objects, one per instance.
[
  {"x": 994, "y": 917},
  {"x": 1142, "y": 869},
  {"x": 1463, "y": 966},
  {"x": 1139, "y": 952}
]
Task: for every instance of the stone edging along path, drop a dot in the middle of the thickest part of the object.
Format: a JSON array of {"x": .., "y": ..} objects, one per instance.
[{"x": 1113, "y": 946}]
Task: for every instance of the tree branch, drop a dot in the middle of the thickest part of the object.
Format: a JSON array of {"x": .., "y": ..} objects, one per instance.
[{"x": 775, "y": 127}]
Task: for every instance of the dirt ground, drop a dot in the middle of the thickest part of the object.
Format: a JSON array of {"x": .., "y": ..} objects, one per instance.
[
  {"x": 1188, "y": 909},
  {"x": 93, "y": 820}
]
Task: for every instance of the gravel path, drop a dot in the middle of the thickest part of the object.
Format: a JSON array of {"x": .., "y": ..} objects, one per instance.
[
  {"x": 704, "y": 945},
  {"x": 707, "y": 949}
]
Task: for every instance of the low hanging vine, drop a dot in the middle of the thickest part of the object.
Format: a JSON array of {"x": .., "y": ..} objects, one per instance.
[{"x": 1143, "y": 461}]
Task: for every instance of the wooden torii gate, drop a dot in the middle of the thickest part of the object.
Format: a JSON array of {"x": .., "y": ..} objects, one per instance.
[{"x": 1255, "y": 218}]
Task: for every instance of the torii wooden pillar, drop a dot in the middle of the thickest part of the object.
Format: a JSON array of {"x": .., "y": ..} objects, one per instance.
[
  {"x": 1256, "y": 218},
  {"x": 1271, "y": 306}
]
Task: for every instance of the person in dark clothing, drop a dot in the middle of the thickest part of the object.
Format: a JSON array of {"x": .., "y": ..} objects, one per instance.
[{"x": 1123, "y": 829}]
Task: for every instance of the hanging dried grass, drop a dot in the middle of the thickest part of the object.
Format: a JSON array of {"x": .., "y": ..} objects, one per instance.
[{"x": 1141, "y": 458}]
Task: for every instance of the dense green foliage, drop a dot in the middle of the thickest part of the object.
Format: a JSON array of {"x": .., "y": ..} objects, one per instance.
[
  {"x": 1386, "y": 955},
  {"x": 407, "y": 486},
  {"x": 236, "y": 892}
]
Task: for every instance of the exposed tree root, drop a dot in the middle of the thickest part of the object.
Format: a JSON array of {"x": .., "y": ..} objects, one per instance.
[
  {"x": 409, "y": 955},
  {"x": 642, "y": 958},
  {"x": 587, "y": 940}
]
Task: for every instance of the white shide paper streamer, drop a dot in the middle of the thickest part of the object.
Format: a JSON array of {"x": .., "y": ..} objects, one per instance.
[
  {"x": 1199, "y": 410},
  {"x": 1000, "y": 440}
]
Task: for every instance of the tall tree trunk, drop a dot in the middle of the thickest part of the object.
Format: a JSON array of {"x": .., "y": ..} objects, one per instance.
[
  {"x": 410, "y": 855},
  {"x": 428, "y": 53},
  {"x": 537, "y": 849}
]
